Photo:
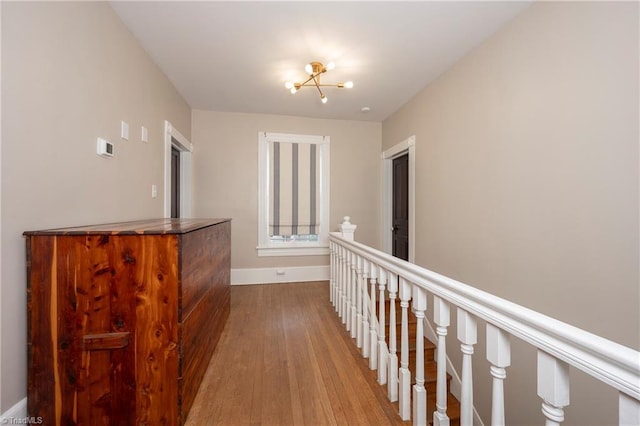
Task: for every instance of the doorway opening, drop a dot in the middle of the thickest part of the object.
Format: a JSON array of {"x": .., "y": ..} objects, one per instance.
[
  {"x": 398, "y": 200},
  {"x": 177, "y": 173},
  {"x": 175, "y": 182},
  {"x": 400, "y": 208}
]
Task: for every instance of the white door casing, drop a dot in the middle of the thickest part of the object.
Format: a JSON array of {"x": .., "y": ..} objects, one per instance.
[{"x": 173, "y": 138}]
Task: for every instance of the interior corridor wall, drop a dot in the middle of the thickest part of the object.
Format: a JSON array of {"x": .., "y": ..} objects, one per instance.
[
  {"x": 71, "y": 72},
  {"x": 527, "y": 184}
]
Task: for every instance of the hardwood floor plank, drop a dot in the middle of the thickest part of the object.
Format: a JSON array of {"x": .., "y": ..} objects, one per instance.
[
  {"x": 361, "y": 406},
  {"x": 284, "y": 358},
  {"x": 275, "y": 400},
  {"x": 311, "y": 394}
]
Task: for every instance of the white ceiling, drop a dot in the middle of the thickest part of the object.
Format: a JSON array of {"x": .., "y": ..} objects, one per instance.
[{"x": 236, "y": 56}]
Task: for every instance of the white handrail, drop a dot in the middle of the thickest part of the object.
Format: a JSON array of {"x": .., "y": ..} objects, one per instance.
[{"x": 608, "y": 361}]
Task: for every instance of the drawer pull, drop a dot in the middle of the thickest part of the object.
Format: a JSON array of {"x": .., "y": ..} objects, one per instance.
[{"x": 105, "y": 341}]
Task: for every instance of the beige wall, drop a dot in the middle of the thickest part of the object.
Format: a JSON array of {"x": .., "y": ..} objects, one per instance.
[
  {"x": 70, "y": 73},
  {"x": 527, "y": 182},
  {"x": 226, "y": 176}
]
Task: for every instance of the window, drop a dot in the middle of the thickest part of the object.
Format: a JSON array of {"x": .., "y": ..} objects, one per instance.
[{"x": 293, "y": 173}]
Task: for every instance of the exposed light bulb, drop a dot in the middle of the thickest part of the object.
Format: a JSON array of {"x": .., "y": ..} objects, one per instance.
[
  {"x": 331, "y": 65},
  {"x": 348, "y": 84},
  {"x": 288, "y": 85},
  {"x": 293, "y": 90},
  {"x": 308, "y": 68},
  {"x": 324, "y": 99}
]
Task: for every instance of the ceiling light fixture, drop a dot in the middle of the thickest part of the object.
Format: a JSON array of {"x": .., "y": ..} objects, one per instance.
[{"x": 315, "y": 69}]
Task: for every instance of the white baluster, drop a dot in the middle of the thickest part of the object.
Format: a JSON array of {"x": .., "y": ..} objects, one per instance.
[
  {"x": 553, "y": 387},
  {"x": 441, "y": 317},
  {"x": 366, "y": 337},
  {"x": 336, "y": 276},
  {"x": 359, "y": 302},
  {"x": 499, "y": 355},
  {"x": 373, "y": 321},
  {"x": 392, "y": 375},
  {"x": 354, "y": 296},
  {"x": 467, "y": 334},
  {"x": 346, "y": 308},
  {"x": 351, "y": 321},
  {"x": 331, "y": 272},
  {"x": 629, "y": 411},
  {"x": 342, "y": 282},
  {"x": 383, "y": 351},
  {"x": 404, "y": 375},
  {"x": 419, "y": 391},
  {"x": 340, "y": 279}
]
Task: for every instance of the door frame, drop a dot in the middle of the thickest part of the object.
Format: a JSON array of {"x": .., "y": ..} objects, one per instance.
[
  {"x": 173, "y": 138},
  {"x": 408, "y": 146}
]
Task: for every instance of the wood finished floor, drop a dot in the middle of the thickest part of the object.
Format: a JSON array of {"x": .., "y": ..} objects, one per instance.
[{"x": 284, "y": 358}]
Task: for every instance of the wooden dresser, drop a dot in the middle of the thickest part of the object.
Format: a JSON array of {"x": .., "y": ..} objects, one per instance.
[{"x": 123, "y": 319}]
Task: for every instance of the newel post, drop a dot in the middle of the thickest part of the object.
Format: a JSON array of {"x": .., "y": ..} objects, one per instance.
[{"x": 347, "y": 228}]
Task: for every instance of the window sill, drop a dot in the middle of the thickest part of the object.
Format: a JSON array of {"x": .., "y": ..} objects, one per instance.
[{"x": 314, "y": 250}]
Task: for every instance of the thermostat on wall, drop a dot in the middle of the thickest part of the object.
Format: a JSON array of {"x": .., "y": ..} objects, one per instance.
[{"x": 105, "y": 148}]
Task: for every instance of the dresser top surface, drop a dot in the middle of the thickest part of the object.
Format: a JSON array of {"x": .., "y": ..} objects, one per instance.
[{"x": 140, "y": 227}]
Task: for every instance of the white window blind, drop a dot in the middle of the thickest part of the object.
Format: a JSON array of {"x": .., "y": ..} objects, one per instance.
[
  {"x": 293, "y": 194},
  {"x": 295, "y": 189}
]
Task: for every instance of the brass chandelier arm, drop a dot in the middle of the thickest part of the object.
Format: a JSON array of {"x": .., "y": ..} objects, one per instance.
[
  {"x": 311, "y": 77},
  {"x": 340, "y": 85},
  {"x": 318, "y": 87}
]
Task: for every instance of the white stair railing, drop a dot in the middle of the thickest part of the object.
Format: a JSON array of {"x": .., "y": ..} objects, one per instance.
[{"x": 361, "y": 275}]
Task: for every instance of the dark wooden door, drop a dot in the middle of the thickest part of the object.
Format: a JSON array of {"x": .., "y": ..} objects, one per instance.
[
  {"x": 400, "y": 209},
  {"x": 175, "y": 182}
]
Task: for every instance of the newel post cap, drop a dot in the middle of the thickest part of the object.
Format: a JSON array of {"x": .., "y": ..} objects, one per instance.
[{"x": 347, "y": 228}]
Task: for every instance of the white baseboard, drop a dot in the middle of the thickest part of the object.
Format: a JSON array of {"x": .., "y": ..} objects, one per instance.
[
  {"x": 18, "y": 411},
  {"x": 279, "y": 275}
]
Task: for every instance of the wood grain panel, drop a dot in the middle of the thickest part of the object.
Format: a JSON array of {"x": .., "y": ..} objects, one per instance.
[
  {"x": 197, "y": 326},
  {"x": 209, "y": 257},
  {"x": 40, "y": 348},
  {"x": 200, "y": 334},
  {"x": 91, "y": 280},
  {"x": 128, "y": 260},
  {"x": 157, "y": 332}
]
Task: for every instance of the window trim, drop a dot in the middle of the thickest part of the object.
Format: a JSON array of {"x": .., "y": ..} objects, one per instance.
[{"x": 267, "y": 247}]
